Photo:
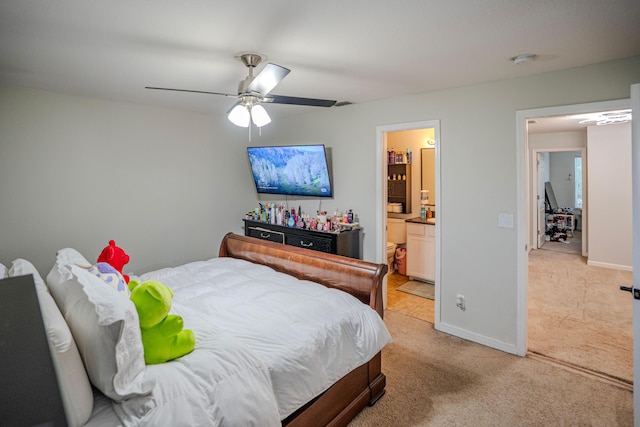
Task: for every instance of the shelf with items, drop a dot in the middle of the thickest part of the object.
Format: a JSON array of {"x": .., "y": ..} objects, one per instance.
[
  {"x": 562, "y": 221},
  {"x": 559, "y": 224},
  {"x": 399, "y": 157},
  {"x": 399, "y": 185}
]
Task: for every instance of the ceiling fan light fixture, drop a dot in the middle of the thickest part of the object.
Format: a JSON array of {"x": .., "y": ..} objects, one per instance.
[
  {"x": 240, "y": 116},
  {"x": 260, "y": 116},
  {"x": 523, "y": 58},
  {"x": 608, "y": 117}
]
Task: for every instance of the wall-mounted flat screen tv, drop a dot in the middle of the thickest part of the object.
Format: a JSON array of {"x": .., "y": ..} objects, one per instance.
[{"x": 293, "y": 170}]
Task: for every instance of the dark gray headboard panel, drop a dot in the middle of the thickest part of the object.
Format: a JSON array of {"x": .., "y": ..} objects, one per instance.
[{"x": 29, "y": 395}]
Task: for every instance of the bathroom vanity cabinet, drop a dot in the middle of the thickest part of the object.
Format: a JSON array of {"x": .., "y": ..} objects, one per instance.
[{"x": 421, "y": 250}]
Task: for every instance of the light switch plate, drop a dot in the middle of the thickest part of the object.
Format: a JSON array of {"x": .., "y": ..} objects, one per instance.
[{"x": 505, "y": 220}]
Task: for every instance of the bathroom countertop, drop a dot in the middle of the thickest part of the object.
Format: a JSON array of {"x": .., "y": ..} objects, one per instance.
[
  {"x": 396, "y": 215},
  {"x": 418, "y": 220}
]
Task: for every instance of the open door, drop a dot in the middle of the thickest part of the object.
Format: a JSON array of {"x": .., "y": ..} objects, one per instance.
[
  {"x": 635, "y": 177},
  {"x": 540, "y": 199}
]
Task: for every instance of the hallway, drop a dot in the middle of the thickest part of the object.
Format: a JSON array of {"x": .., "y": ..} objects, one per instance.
[{"x": 578, "y": 315}]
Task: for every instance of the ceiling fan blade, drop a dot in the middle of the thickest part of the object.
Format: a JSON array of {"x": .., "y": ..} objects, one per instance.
[
  {"x": 267, "y": 79},
  {"x": 292, "y": 100},
  {"x": 192, "y": 91}
]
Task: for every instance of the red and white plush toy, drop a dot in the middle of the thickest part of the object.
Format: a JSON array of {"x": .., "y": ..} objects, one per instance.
[{"x": 115, "y": 257}]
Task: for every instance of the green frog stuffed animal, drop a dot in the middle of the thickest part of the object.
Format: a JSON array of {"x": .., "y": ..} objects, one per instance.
[{"x": 163, "y": 336}]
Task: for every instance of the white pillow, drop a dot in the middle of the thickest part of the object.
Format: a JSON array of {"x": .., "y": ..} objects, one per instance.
[
  {"x": 73, "y": 382},
  {"x": 59, "y": 276},
  {"x": 3, "y": 271},
  {"x": 107, "y": 331},
  {"x": 22, "y": 267}
]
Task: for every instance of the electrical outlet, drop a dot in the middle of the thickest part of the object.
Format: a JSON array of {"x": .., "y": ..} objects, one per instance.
[{"x": 460, "y": 302}]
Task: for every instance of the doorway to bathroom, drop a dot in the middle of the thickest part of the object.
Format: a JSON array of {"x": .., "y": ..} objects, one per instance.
[{"x": 409, "y": 165}]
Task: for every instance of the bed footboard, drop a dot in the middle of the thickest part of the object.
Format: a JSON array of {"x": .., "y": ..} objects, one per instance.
[{"x": 363, "y": 386}]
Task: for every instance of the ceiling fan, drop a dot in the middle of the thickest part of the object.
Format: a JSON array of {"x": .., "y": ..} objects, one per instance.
[{"x": 254, "y": 90}]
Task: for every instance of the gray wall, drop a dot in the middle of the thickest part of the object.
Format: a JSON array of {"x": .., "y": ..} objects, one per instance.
[
  {"x": 478, "y": 177},
  {"x": 167, "y": 185}
]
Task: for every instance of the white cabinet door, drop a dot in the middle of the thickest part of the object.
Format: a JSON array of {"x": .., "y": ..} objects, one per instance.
[
  {"x": 421, "y": 251},
  {"x": 430, "y": 254}
]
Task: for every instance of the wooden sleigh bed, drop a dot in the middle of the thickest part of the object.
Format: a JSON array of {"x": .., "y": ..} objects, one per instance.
[
  {"x": 364, "y": 385},
  {"x": 215, "y": 375}
]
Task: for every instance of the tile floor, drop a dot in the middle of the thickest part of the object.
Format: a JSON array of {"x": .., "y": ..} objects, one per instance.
[{"x": 402, "y": 302}]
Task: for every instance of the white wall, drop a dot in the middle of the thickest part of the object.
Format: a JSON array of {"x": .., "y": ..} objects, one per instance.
[
  {"x": 478, "y": 178},
  {"x": 166, "y": 185},
  {"x": 181, "y": 179},
  {"x": 609, "y": 201}
]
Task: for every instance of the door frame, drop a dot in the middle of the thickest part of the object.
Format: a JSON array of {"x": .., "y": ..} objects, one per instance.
[
  {"x": 381, "y": 200},
  {"x": 635, "y": 196},
  {"x": 533, "y": 197},
  {"x": 523, "y": 198},
  {"x": 539, "y": 204}
]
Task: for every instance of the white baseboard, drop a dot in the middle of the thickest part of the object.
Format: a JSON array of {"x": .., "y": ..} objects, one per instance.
[
  {"x": 611, "y": 266},
  {"x": 480, "y": 339}
]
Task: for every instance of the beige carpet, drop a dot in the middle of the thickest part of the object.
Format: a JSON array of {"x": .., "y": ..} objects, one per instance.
[
  {"x": 578, "y": 315},
  {"x": 573, "y": 245},
  {"x": 435, "y": 379}
]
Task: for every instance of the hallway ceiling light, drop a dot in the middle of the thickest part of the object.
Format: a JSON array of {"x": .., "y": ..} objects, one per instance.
[{"x": 607, "y": 117}]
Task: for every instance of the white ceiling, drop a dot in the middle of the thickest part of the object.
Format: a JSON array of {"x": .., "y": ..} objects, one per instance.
[{"x": 355, "y": 51}]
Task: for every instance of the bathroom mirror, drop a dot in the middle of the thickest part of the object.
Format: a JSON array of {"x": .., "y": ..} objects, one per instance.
[{"x": 428, "y": 172}]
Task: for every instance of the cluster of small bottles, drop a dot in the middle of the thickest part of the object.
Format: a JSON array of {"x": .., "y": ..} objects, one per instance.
[
  {"x": 399, "y": 156},
  {"x": 426, "y": 212},
  {"x": 425, "y": 208},
  {"x": 279, "y": 215},
  {"x": 397, "y": 177}
]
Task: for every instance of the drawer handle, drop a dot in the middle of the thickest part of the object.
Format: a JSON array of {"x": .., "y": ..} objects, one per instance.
[
  {"x": 265, "y": 235},
  {"x": 306, "y": 245}
]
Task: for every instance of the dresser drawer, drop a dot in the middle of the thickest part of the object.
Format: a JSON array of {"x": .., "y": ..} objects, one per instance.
[
  {"x": 346, "y": 243},
  {"x": 264, "y": 234},
  {"x": 310, "y": 242}
]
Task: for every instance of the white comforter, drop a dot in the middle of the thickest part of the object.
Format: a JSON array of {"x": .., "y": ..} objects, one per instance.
[{"x": 266, "y": 343}]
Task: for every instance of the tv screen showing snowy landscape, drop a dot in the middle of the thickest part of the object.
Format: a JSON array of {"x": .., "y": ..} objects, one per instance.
[{"x": 296, "y": 170}]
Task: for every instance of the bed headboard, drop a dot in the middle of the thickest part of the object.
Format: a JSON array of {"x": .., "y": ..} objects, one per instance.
[
  {"x": 30, "y": 393},
  {"x": 361, "y": 279}
]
